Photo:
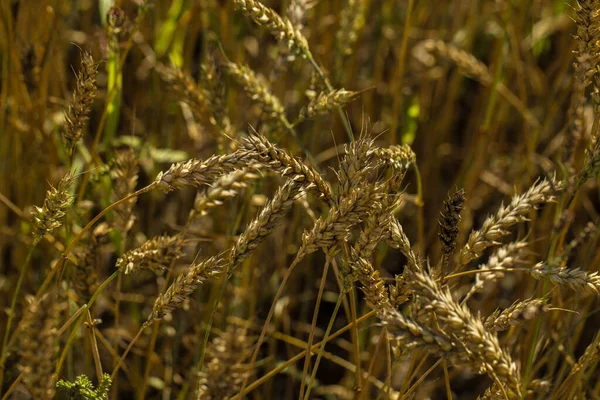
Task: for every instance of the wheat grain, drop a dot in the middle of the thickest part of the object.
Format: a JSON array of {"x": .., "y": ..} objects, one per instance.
[
  {"x": 225, "y": 187},
  {"x": 573, "y": 278},
  {"x": 355, "y": 165},
  {"x": 154, "y": 255},
  {"x": 49, "y": 217},
  {"x": 278, "y": 160},
  {"x": 482, "y": 347},
  {"x": 508, "y": 256},
  {"x": 496, "y": 226},
  {"x": 184, "y": 285},
  {"x": 326, "y": 102},
  {"x": 258, "y": 90},
  {"x": 80, "y": 105},
  {"x": 225, "y": 370},
  {"x": 280, "y": 27},
  {"x": 519, "y": 311},
  {"x": 266, "y": 221},
  {"x": 195, "y": 173}
]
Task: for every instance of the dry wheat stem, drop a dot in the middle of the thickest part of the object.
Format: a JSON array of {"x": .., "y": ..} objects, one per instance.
[{"x": 246, "y": 389}]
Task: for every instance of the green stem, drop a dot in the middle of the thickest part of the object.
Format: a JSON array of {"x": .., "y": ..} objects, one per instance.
[{"x": 115, "y": 85}]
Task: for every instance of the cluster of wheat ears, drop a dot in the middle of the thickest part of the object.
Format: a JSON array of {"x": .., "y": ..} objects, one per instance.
[{"x": 220, "y": 229}]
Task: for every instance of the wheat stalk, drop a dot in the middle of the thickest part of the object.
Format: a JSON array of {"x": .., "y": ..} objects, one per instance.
[
  {"x": 184, "y": 285},
  {"x": 482, "y": 347},
  {"x": 49, "y": 217},
  {"x": 519, "y": 311},
  {"x": 280, "y": 27},
  {"x": 76, "y": 115},
  {"x": 496, "y": 226},
  {"x": 154, "y": 255}
]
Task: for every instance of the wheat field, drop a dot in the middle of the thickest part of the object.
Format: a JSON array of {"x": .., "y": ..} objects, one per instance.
[{"x": 305, "y": 199}]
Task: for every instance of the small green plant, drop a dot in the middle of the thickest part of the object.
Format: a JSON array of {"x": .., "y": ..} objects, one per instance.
[{"x": 83, "y": 389}]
